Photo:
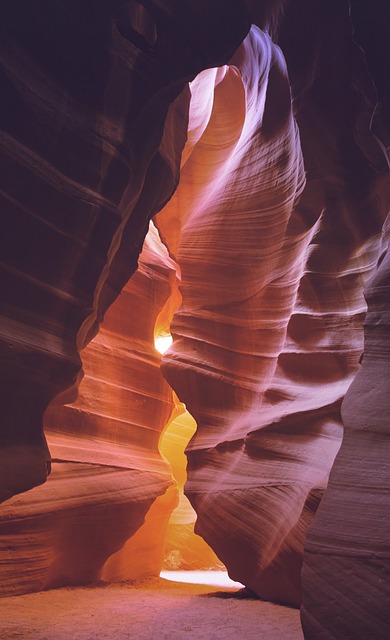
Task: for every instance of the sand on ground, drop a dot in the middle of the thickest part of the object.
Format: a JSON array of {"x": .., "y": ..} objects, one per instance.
[{"x": 154, "y": 608}]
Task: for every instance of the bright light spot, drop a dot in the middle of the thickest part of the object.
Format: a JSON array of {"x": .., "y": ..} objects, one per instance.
[
  {"x": 212, "y": 578},
  {"x": 162, "y": 343}
]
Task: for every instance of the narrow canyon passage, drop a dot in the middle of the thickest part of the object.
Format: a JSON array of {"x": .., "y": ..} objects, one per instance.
[
  {"x": 210, "y": 176},
  {"x": 151, "y": 609}
]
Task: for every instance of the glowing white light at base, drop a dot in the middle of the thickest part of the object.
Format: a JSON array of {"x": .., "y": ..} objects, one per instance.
[{"x": 212, "y": 578}]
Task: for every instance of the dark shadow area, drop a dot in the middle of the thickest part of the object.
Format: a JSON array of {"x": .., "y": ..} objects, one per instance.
[{"x": 241, "y": 594}]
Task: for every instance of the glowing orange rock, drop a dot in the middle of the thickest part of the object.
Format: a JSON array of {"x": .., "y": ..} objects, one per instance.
[
  {"x": 269, "y": 333},
  {"x": 107, "y": 470},
  {"x": 85, "y": 165},
  {"x": 275, "y": 228}
]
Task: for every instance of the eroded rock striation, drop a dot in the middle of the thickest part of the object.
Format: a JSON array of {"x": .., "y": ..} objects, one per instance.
[
  {"x": 274, "y": 242},
  {"x": 274, "y": 230},
  {"x": 346, "y": 571},
  {"x": 85, "y": 93},
  {"x": 86, "y": 523},
  {"x": 347, "y": 560},
  {"x": 94, "y": 118}
]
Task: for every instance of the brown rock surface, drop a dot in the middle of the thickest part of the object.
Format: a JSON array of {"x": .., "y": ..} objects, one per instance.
[
  {"x": 85, "y": 92},
  {"x": 107, "y": 470},
  {"x": 89, "y": 154},
  {"x": 273, "y": 263},
  {"x": 274, "y": 230},
  {"x": 347, "y": 558}
]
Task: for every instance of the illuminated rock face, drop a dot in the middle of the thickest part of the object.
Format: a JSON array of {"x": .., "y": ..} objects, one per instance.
[
  {"x": 275, "y": 228},
  {"x": 85, "y": 92},
  {"x": 89, "y": 154},
  {"x": 107, "y": 472},
  {"x": 273, "y": 260}
]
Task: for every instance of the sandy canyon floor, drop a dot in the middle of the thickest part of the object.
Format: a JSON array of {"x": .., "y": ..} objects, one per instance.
[{"x": 157, "y": 608}]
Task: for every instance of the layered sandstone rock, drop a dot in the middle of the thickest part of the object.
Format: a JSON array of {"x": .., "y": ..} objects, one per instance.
[
  {"x": 273, "y": 261},
  {"x": 106, "y": 468},
  {"x": 275, "y": 229},
  {"x": 346, "y": 573},
  {"x": 85, "y": 92},
  {"x": 89, "y": 154}
]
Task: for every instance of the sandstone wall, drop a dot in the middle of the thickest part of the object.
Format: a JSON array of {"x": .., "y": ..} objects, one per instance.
[
  {"x": 347, "y": 549},
  {"x": 84, "y": 167},
  {"x": 273, "y": 231}
]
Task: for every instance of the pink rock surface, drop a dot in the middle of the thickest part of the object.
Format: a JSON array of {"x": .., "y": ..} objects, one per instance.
[
  {"x": 273, "y": 261},
  {"x": 89, "y": 154},
  {"x": 347, "y": 559},
  {"x": 274, "y": 230},
  {"x": 85, "y": 95},
  {"x": 107, "y": 470}
]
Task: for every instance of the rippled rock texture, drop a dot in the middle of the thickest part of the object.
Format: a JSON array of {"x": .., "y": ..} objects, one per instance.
[
  {"x": 107, "y": 473},
  {"x": 85, "y": 93},
  {"x": 267, "y": 339},
  {"x": 273, "y": 231},
  {"x": 94, "y": 104},
  {"x": 347, "y": 559}
]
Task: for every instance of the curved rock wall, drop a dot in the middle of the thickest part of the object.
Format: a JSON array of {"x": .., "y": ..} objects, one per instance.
[
  {"x": 222, "y": 356},
  {"x": 275, "y": 227},
  {"x": 273, "y": 261},
  {"x": 346, "y": 571},
  {"x": 347, "y": 559},
  {"x": 85, "y": 92},
  {"x": 82, "y": 524},
  {"x": 89, "y": 154}
]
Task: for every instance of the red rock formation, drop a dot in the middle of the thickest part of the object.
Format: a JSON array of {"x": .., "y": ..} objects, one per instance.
[
  {"x": 220, "y": 362},
  {"x": 275, "y": 228},
  {"x": 268, "y": 337},
  {"x": 85, "y": 93},
  {"x": 347, "y": 562},
  {"x": 107, "y": 471},
  {"x": 90, "y": 153},
  {"x": 346, "y": 573}
]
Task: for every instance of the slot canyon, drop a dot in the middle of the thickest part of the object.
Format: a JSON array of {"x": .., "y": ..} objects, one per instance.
[{"x": 195, "y": 305}]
